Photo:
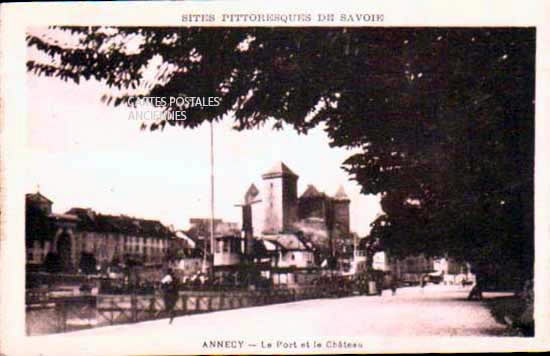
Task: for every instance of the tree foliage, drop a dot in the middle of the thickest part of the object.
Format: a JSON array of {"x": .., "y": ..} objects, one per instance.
[{"x": 443, "y": 117}]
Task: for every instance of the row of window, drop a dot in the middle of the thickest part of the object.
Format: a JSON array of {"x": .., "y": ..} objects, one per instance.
[
  {"x": 126, "y": 248},
  {"x": 228, "y": 246},
  {"x": 129, "y": 239},
  {"x": 99, "y": 249}
]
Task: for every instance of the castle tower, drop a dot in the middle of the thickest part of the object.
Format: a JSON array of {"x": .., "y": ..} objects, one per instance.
[
  {"x": 340, "y": 203},
  {"x": 248, "y": 223},
  {"x": 280, "y": 199},
  {"x": 312, "y": 203},
  {"x": 40, "y": 202}
]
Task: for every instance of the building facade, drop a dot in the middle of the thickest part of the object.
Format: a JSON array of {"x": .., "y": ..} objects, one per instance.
[
  {"x": 200, "y": 230},
  {"x": 67, "y": 238}
]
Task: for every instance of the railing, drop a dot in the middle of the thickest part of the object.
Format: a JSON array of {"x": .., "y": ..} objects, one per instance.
[
  {"x": 48, "y": 314},
  {"x": 61, "y": 314},
  {"x": 42, "y": 278},
  {"x": 116, "y": 309},
  {"x": 66, "y": 308}
]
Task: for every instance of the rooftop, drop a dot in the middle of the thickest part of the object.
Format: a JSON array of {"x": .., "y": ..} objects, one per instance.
[
  {"x": 95, "y": 222},
  {"x": 37, "y": 197},
  {"x": 341, "y": 194},
  {"x": 278, "y": 170},
  {"x": 312, "y": 192},
  {"x": 289, "y": 241}
]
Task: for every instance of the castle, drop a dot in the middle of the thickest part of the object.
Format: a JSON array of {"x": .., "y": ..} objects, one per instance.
[{"x": 322, "y": 219}]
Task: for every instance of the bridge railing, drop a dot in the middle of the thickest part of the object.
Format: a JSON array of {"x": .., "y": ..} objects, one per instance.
[
  {"x": 115, "y": 309},
  {"x": 50, "y": 313}
]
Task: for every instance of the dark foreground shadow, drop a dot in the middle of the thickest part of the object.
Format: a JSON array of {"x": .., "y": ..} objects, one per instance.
[{"x": 513, "y": 312}]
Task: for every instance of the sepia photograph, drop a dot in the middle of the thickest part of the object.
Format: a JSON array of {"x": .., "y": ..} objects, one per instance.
[{"x": 244, "y": 188}]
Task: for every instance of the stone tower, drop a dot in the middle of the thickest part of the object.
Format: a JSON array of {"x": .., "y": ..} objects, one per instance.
[
  {"x": 280, "y": 199},
  {"x": 312, "y": 203},
  {"x": 341, "y": 210}
]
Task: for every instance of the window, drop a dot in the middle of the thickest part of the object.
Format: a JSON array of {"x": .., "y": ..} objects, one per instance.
[{"x": 234, "y": 247}]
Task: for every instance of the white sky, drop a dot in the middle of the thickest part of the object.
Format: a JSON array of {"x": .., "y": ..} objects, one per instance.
[{"x": 84, "y": 153}]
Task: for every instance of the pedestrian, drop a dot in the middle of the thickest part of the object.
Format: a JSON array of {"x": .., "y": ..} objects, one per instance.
[
  {"x": 379, "y": 279},
  {"x": 393, "y": 285},
  {"x": 170, "y": 293},
  {"x": 477, "y": 291},
  {"x": 422, "y": 283}
]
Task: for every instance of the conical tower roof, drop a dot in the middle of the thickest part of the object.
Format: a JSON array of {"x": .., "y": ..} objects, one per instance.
[
  {"x": 341, "y": 194},
  {"x": 311, "y": 192},
  {"x": 278, "y": 170},
  {"x": 251, "y": 194}
]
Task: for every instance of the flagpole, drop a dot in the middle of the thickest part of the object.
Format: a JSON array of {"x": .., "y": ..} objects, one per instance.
[{"x": 212, "y": 194}]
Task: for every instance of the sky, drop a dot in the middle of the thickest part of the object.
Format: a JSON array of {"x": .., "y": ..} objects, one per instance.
[{"x": 84, "y": 153}]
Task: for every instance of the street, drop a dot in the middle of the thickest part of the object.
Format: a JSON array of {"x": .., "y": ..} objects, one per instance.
[{"x": 349, "y": 324}]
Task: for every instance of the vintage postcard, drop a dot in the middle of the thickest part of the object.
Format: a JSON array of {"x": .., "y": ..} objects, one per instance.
[{"x": 230, "y": 177}]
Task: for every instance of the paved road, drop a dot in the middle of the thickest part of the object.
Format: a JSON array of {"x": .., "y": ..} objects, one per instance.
[{"x": 434, "y": 311}]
